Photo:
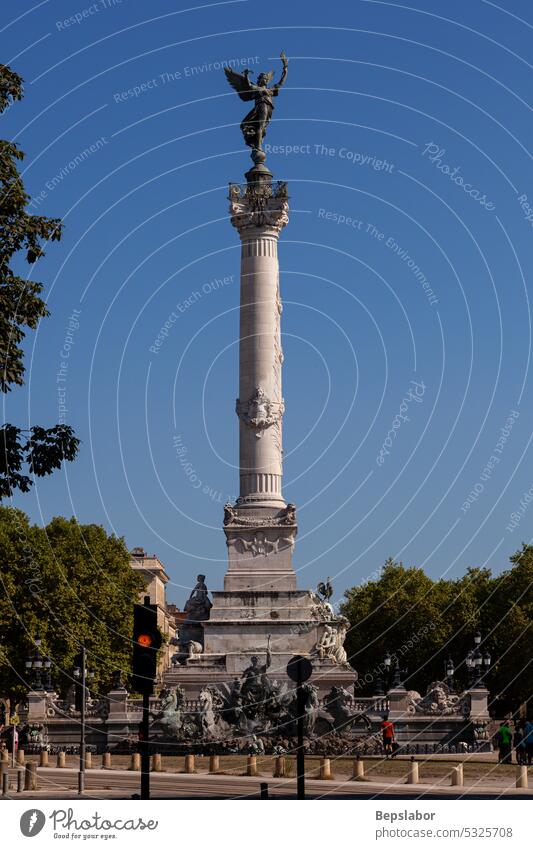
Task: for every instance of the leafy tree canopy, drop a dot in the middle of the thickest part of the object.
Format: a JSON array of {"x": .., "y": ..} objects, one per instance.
[
  {"x": 39, "y": 449},
  {"x": 422, "y": 622},
  {"x": 72, "y": 584}
]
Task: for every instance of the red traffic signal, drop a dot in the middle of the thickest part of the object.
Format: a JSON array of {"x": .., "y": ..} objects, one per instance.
[{"x": 146, "y": 641}]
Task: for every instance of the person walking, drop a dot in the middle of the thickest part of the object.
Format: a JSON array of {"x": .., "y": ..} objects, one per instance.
[
  {"x": 519, "y": 743},
  {"x": 528, "y": 740},
  {"x": 505, "y": 740},
  {"x": 387, "y": 729}
]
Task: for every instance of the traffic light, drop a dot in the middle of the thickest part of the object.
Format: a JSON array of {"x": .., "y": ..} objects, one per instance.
[{"x": 146, "y": 641}]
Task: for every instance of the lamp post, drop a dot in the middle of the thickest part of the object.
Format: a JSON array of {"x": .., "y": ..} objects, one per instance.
[
  {"x": 397, "y": 677},
  {"x": 386, "y": 681},
  {"x": 81, "y": 675},
  {"x": 34, "y": 663},
  {"x": 449, "y": 671},
  {"x": 477, "y": 663}
]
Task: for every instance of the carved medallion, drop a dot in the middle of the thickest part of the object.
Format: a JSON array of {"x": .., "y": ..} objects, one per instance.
[{"x": 259, "y": 412}]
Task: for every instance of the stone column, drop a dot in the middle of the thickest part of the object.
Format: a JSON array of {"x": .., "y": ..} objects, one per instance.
[
  {"x": 261, "y": 527},
  {"x": 259, "y": 213}
]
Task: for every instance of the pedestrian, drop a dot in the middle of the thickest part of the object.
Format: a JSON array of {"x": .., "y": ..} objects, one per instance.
[
  {"x": 519, "y": 743},
  {"x": 387, "y": 729},
  {"x": 505, "y": 741},
  {"x": 528, "y": 740}
]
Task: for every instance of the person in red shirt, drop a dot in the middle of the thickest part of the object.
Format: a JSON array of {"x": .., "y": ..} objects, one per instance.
[{"x": 387, "y": 729}]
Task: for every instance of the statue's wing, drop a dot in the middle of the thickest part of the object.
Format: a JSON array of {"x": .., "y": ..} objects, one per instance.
[{"x": 240, "y": 83}]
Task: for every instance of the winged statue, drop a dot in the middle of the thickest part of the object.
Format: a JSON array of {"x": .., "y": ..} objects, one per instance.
[
  {"x": 254, "y": 124},
  {"x": 325, "y": 589}
]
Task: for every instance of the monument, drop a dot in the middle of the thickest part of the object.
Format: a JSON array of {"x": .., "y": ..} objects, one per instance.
[{"x": 260, "y": 619}]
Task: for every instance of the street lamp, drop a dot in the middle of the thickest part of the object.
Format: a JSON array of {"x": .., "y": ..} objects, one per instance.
[
  {"x": 387, "y": 680},
  {"x": 397, "y": 677},
  {"x": 34, "y": 662},
  {"x": 81, "y": 674},
  {"x": 450, "y": 671},
  {"x": 47, "y": 676},
  {"x": 477, "y": 663}
]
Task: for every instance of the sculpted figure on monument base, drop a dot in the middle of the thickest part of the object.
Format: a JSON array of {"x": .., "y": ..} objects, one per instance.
[
  {"x": 257, "y": 686},
  {"x": 170, "y": 715},
  {"x": 339, "y": 703},
  {"x": 198, "y": 605}
]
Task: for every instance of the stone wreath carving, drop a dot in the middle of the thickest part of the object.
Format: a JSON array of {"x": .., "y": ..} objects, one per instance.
[
  {"x": 259, "y": 412},
  {"x": 286, "y": 517}
]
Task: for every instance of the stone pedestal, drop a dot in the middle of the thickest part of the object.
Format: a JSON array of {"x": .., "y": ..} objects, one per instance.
[
  {"x": 397, "y": 703},
  {"x": 479, "y": 710},
  {"x": 36, "y": 706}
]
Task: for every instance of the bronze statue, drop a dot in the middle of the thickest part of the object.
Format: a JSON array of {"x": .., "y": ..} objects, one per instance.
[{"x": 255, "y": 123}]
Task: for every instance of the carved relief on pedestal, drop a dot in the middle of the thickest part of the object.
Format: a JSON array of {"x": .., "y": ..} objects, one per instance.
[
  {"x": 261, "y": 545},
  {"x": 259, "y": 412}
]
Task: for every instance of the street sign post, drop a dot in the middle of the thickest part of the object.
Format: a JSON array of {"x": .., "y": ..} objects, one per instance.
[{"x": 299, "y": 670}]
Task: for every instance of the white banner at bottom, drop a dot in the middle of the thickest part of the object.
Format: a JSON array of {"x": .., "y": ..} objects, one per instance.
[{"x": 356, "y": 822}]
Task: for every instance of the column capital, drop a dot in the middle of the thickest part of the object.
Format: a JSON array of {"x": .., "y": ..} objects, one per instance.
[{"x": 259, "y": 209}]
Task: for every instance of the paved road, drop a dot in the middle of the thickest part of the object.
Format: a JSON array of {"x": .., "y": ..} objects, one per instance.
[{"x": 62, "y": 783}]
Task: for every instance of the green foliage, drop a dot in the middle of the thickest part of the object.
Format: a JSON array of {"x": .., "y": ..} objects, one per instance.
[
  {"x": 41, "y": 449},
  {"x": 71, "y": 583},
  {"x": 422, "y": 621},
  {"x": 21, "y": 308}
]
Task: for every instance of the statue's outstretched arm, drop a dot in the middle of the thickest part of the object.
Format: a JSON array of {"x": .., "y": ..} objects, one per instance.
[{"x": 283, "y": 77}]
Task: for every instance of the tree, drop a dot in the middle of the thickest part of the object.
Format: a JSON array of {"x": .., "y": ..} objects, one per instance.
[
  {"x": 422, "y": 621},
  {"x": 38, "y": 450},
  {"x": 398, "y": 614},
  {"x": 71, "y": 583}
]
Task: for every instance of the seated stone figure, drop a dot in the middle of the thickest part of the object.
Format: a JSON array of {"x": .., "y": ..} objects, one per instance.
[{"x": 198, "y": 605}]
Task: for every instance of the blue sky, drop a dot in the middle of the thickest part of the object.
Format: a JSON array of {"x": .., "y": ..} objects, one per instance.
[{"x": 405, "y": 271}]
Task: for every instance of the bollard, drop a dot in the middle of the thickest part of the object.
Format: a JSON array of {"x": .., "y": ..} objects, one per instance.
[
  {"x": 189, "y": 764},
  {"x": 43, "y": 758},
  {"x": 156, "y": 762},
  {"x": 412, "y": 777},
  {"x": 135, "y": 761},
  {"x": 263, "y": 790},
  {"x": 61, "y": 763},
  {"x": 457, "y": 776},
  {"x": 20, "y": 780},
  {"x": 521, "y": 777},
  {"x": 251, "y": 765},
  {"x": 325, "y": 769},
  {"x": 30, "y": 777},
  {"x": 358, "y": 768},
  {"x": 5, "y": 783},
  {"x": 88, "y": 760},
  {"x": 279, "y": 767},
  {"x": 20, "y": 757},
  {"x": 106, "y": 760},
  {"x": 214, "y": 763}
]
